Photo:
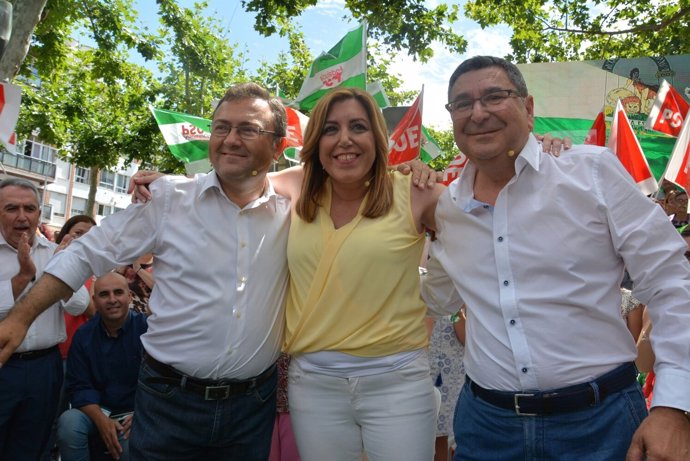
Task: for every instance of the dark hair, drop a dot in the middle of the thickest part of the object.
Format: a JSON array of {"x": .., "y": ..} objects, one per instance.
[
  {"x": 24, "y": 183},
  {"x": 251, "y": 90},
  {"x": 482, "y": 62},
  {"x": 380, "y": 197},
  {"x": 71, "y": 222}
]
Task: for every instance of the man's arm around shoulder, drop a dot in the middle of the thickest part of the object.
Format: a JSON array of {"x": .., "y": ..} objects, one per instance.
[{"x": 46, "y": 292}]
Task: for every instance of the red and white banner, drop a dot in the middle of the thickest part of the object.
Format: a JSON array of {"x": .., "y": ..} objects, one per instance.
[
  {"x": 296, "y": 126},
  {"x": 677, "y": 168},
  {"x": 624, "y": 143},
  {"x": 10, "y": 99},
  {"x": 405, "y": 141},
  {"x": 668, "y": 111},
  {"x": 597, "y": 134},
  {"x": 454, "y": 168}
]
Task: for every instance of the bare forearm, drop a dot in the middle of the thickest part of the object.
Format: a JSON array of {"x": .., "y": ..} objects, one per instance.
[
  {"x": 47, "y": 291},
  {"x": 19, "y": 283}
]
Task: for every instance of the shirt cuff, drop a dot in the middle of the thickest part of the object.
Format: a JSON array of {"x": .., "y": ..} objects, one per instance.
[{"x": 671, "y": 389}]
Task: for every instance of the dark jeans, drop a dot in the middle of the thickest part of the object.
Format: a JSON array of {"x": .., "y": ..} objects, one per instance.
[
  {"x": 601, "y": 432},
  {"x": 172, "y": 424},
  {"x": 29, "y": 393}
]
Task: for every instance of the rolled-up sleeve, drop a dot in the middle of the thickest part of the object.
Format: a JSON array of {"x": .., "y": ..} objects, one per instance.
[{"x": 78, "y": 303}]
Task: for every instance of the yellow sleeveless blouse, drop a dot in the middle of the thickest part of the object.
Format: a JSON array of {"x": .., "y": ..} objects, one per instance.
[{"x": 356, "y": 289}]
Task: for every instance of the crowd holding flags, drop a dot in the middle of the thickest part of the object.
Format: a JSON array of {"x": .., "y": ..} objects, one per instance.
[{"x": 344, "y": 65}]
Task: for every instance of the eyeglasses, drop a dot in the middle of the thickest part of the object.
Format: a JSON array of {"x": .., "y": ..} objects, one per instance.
[
  {"x": 463, "y": 106},
  {"x": 246, "y": 132}
]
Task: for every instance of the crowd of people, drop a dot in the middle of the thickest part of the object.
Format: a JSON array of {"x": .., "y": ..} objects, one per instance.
[{"x": 321, "y": 262}]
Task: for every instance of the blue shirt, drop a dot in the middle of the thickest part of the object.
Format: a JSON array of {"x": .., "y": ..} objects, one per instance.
[{"x": 104, "y": 370}]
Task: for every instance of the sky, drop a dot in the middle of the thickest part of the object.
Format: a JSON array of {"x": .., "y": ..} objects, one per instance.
[{"x": 323, "y": 25}]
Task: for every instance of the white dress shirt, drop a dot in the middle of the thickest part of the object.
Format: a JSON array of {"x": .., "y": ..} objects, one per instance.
[
  {"x": 221, "y": 274},
  {"x": 49, "y": 328},
  {"x": 540, "y": 273}
]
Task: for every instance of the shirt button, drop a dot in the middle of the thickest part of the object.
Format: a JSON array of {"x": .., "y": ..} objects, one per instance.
[
  {"x": 486, "y": 207},
  {"x": 500, "y": 239},
  {"x": 512, "y": 322},
  {"x": 236, "y": 312},
  {"x": 243, "y": 244},
  {"x": 524, "y": 370},
  {"x": 506, "y": 283}
]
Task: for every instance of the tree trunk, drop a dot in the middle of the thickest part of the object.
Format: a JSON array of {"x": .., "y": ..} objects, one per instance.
[
  {"x": 25, "y": 16},
  {"x": 94, "y": 177}
]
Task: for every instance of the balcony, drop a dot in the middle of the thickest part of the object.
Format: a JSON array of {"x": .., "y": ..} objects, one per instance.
[{"x": 36, "y": 168}]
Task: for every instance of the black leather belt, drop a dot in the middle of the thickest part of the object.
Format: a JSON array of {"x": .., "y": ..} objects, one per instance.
[
  {"x": 30, "y": 355},
  {"x": 208, "y": 389},
  {"x": 572, "y": 398}
]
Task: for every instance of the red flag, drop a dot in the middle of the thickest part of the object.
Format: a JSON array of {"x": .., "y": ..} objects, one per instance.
[
  {"x": 10, "y": 99},
  {"x": 296, "y": 124},
  {"x": 668, "y": 111},
  {"x": 597, "y": 134},
  {"x": 454, "y": 168},
  {"x": 405, "y": 141},
  {"x": 625, "y": 145},
  {"x": 677, "y": 168}
]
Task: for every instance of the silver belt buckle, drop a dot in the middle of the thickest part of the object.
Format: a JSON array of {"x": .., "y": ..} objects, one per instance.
[
  {"x": 516, "y": 403},
  {"x": 222, "y": 396}
]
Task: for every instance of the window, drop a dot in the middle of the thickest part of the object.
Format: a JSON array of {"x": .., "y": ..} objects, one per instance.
[
  {"x": 107, "y": 179},
  {"x": 40, "y": 151},
  {"x": 58, "y": 202},
  {"x": 104, "y": 210},
  {"x": 121, "y": 183},
  {"x": 82, "y": 175},
  {"x": 78, "y": 205}
]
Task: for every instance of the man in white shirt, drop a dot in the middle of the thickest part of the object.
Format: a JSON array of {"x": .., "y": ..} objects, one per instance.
[
  {"x": 536, "y": 248},
  {"x": 207, "y": 382},
  {"x": 31, "y": 378}
]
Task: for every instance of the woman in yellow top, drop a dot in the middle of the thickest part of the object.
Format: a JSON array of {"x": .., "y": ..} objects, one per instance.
[{"x": 359, "y": 379}]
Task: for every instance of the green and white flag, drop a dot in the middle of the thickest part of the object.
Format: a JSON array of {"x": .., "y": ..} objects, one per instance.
[
  {"x": 343, "y": 65},
  {"x": 376, "y": 90},
  {"x": 430, "y": 148},
  {"x": 187, "y": 138}
]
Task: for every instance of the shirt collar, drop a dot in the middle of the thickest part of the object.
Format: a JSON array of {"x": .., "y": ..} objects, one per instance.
[
  {"x": 210, "y": 180},
  {"x": 124, "y": 328},
  {"x": 461, "y": 190}
]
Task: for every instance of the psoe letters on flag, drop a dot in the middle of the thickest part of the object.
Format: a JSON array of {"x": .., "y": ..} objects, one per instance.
[
  {"x": 668, "y": 110},
  {"x": 405, "y": 141},
  {"x": 187, "y": 138},
  {"x": 10, "y": 99},
  {"x": 624, "y": 143},
  {"x": 343, "y": 65}
]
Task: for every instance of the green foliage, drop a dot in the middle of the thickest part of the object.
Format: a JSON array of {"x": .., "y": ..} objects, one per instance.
[
  {"x": 288, "y": 73},
  {"x": 377, "y": 70},
  {"x": 202, "y": 63},
  {"x": 563, "y": 30},
  {"x": 401, "y": 25}
]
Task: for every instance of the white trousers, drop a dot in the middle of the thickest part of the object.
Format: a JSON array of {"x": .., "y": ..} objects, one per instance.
[{"x": 390, "y": 416}]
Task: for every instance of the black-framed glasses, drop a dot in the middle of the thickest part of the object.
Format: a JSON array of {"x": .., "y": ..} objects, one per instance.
[
  {"x": 493, "y": 100},
  {"x": 246, "y": 132}
]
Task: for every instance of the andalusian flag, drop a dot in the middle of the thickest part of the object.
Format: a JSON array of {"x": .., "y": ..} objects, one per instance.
[
  {"x": 187, "y": 138},
  {"x": 379, "y": 94},
  {"x": 430, "y": 148},
  {"x": 343, "y": 65}
]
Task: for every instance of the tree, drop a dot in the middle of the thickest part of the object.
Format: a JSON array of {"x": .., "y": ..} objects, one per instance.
[
  {"x": 399, "y": 24},
  {"x": 565, "y": 30},
  {"x": 202, "y": 63},
  {"x": 95, "y": 121}
]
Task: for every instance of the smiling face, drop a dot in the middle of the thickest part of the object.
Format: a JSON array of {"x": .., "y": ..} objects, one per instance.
[
  {"x": 19, "y": 213},
  {"x": 346, "y": 144},
  {"x": 111, "y": 297},
  {"x": 233, "y": 158},
  {"x": 488, "y": 132}
]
